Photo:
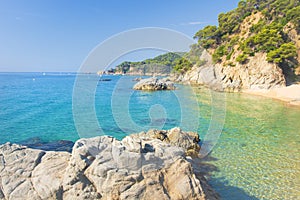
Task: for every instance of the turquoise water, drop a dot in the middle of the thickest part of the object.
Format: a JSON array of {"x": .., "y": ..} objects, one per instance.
[
  {"x": 33, "y": 105},
  {"x": 258, "y": 153},
  {"x": 256, "y": 157},
  {"x": 40, "y": 105}
]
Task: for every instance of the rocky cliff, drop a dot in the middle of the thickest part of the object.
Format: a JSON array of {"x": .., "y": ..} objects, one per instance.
[
  {"x": 152, "y": 165},
  {"x": 256, "y": 74},
  {"x": 254, "y": 46},
  {"x": 228, "y": 68}
]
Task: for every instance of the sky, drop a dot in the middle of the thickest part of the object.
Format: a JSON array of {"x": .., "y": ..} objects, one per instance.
[{"x": 57, "y": 35}]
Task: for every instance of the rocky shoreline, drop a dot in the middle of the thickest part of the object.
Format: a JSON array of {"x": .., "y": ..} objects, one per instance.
[
  {"x": 153, "y": 165},
  {"x": 257, "y": 77},
  {"x": 257, "y": 74}
]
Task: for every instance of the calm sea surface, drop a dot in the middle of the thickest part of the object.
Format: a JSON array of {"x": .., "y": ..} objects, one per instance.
[{"x": 257, "y": 155}]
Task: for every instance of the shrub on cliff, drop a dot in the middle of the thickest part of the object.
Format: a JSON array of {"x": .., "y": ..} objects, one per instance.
[
  {"x": 285, "y": 52},
  {"x": 208, "y": 36},
  {"x": 183, "y": 65},
  {"x": 293, "y": 15},
  {"x": 242, "y": 58},
  {"x": 265, "y": 36}
]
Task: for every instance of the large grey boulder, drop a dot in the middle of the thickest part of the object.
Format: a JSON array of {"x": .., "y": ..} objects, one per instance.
[
  {"x": 154, "y": 83},
  {"x": 152, "y": 165}
]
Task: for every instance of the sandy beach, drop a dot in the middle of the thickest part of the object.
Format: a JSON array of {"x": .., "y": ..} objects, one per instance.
[{"x": 289, "y": 94}]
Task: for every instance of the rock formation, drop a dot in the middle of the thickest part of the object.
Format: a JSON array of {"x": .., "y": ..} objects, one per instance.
[
  {"x": 244, "y": 56},
  {"x": 151, "y": 165},
  {"x": 154, "y": 83},
  {"x": 256, "y": 74}
]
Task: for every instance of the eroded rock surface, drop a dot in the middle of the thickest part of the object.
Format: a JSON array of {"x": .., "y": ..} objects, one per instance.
[
  {"x": 152, "y": 165},
  {"x": 256, "y": 74}
]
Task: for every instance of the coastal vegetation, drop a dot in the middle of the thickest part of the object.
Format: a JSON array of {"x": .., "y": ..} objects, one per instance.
[
  {"x": 178, "y": 62},
  {"x": 167, "y": 60},
  {"x": 236, "y": 33},
  {"x": 253, "y": 28},
  {"x": 254, "y": 46}
]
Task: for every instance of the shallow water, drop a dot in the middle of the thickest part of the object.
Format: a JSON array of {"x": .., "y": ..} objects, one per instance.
[
  {"x": 256, "y": 157},
  {"x": 258, "y": 153}
]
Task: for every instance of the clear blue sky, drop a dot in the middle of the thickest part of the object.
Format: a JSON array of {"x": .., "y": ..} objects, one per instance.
[{"x": 57, "y": 35}]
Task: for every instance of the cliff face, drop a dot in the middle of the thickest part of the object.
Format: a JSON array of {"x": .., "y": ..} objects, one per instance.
[
  {"x": 256, "y": 74},
  {"x": 151, "y": 165},
  {"x": 228, "y": 68},
  {"x": 254, "y": 46}
]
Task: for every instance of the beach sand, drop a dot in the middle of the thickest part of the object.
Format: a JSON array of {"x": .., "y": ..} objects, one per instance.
[{"x": 289, "y": 94}]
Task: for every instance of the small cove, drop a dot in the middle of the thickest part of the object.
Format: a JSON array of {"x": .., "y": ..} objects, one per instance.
[{"x": 256, "y": 157}]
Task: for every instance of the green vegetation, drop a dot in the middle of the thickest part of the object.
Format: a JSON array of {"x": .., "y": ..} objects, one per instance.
[
  {"x": 208, "y": 36},
  {"x": 293, "y": 15},
  {"x": 189, "y": 59},
  {"x": 242, "y": 58},
  {"x": 266, "y": 36},
  {"x": 194, "y": 54},
  {"x": 183, "y": 65},
  {"x": 168, "y": 60},
  {"x": 124, "y": 67},
  {"x": 219, "y": 53},
  {"x": 179, "y": 62},
  {"x": 286, "y": 51},
  {"x": 255, "y": 28}
]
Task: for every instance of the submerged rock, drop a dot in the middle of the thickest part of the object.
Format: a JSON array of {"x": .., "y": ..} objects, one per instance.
[
  {"x": 59, "y": 145},
  {"x": 154, "y": 83},
  {"x": 150, "y": 165}
]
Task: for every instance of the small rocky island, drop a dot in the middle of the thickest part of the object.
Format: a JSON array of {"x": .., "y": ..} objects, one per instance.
[
  {"x": 153, "y": 165},
  {"x": 153, "y": 83}
]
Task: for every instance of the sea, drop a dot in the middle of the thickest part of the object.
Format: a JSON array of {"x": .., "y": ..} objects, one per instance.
[{"x": 256, "y": 154}]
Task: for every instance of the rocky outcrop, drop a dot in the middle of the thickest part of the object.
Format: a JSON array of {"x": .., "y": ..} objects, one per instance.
[
  {"x": 257, "y": 73},
  {"x": 189, "y": 141},
  {"x": 231, "y": 73},
  {"x": 151, "y": 165},
  {"x": 154, "y": 83}
]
